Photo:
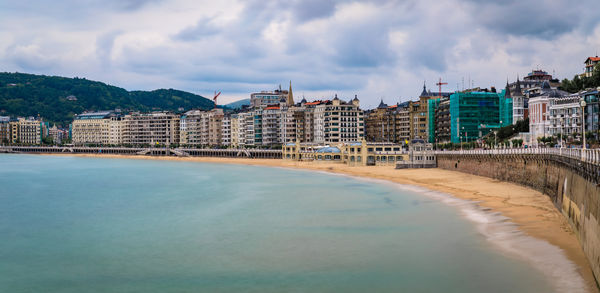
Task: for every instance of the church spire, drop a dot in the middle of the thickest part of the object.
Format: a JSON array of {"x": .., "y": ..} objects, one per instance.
[
  {"x": 290, "y": 97},
  {"x": 424, "y": 92},
  {"x": 507, "y": 90},
  {"x": 517, "y": 91}
]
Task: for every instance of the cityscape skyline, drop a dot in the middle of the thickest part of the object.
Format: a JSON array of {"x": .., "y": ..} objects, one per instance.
[{"x": 375, "y": 49}]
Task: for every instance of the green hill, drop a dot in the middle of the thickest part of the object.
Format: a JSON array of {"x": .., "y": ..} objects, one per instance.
[
  {"x": 57, "y": 99},
  {"x": 238, "y": 104}
]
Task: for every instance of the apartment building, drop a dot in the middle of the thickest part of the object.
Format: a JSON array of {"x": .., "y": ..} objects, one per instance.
[
  {"x": 4, "y": 129},
  {"x": 150, "y": 129},
  {"x": 337, "y": 121},
  {"x": 26, "y": 130}
]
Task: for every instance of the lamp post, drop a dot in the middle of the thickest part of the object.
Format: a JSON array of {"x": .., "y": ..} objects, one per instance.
[
  {"x": 495, "y": 139},
  {"x": 561, "y": 132},
  {"x": 545, "y": 118},
  {"x": 500, "y": 126},
  {"x": 460, "y": 134},
  {"x": 582, "y": 102}
]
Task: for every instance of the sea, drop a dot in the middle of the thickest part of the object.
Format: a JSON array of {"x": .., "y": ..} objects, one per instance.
[{"x": 80, "y": 224}]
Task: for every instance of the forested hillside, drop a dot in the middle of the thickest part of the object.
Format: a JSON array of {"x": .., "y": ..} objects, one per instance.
[{"x": 57, "y": 99}]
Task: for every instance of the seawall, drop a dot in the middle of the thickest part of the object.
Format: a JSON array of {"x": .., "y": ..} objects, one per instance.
[{"x": 573, "y": 186}]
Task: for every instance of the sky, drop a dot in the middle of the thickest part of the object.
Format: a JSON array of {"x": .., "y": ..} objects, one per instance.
[{"x": 374, "y": 49}]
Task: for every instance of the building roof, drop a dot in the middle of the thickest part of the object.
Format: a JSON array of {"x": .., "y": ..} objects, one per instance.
[
  {"x": 382, "y": 105},
  {"x": 517, "y": 92},
  {"x": 594, "y": 59},
  {"x": 556, "y": 93},
  {"x": 424, "y": 92},
  {"x": 93, "y": 115},
  {"x": 272, "y": 108},
  {"x": 507, "y": 90},
  {"x": 328, "y": 150},
  {"x": 546, "y": 85}
]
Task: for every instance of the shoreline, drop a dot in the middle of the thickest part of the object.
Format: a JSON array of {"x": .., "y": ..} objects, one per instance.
[{"x": 530, "y": 211}]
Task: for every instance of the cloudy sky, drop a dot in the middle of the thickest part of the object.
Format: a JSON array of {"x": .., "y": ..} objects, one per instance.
[{"x": 375, "y": 49}]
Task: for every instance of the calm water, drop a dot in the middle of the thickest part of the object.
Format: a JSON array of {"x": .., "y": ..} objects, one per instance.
[{"x": 115, "y": 225}]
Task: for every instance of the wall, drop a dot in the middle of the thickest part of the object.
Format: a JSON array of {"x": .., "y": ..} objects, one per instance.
[{"x": 573, "y": 186}]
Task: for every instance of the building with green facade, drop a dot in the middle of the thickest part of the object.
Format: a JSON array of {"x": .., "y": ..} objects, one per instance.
[{"x": 475, "y": 114}]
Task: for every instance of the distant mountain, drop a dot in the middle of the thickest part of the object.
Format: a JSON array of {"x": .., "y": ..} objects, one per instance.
[
  {"x": 57, "y": 99},
  {"x": 238, "y": 104}
]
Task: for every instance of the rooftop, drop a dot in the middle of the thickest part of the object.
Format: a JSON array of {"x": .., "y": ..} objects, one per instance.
[{"x": 328, "y": 150}]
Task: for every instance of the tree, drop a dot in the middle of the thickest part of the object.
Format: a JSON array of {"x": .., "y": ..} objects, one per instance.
[
  {"x": 48, "y": 140},
  {"x": 517, "y": 142}
]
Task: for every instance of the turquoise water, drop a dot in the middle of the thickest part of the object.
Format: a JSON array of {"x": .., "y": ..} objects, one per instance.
[{"x": 72, "y": 224}]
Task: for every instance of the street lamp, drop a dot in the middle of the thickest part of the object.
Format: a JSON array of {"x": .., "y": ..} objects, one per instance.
[
  {"x": 500, "y": 126},
  {"x": 582, "y": 102},
  {"x": 495, "y": 139},
  {"x": 460, "y": 134},
  {"x": 545, "y": 115},
  {"x": 561, "y": 132}
]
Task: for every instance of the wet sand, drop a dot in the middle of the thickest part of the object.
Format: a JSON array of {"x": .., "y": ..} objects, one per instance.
[{"x": 531, "y": 210}]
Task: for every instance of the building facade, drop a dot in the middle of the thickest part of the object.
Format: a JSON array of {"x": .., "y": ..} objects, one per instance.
[
  {"x": 475, "y": 114},
  {"x": 93, "y": 128},
  {"x": 361, "y": 153},
  {"x": 438, "y": 111},
  {"x": 592, "y": 112},
  {"x": 590, "y": 63},
  {"x": 565, "y": 117},
  {"x": 151, "y": 129},
  {"x": 27, "y": 131},
  {"x": 5, "y": 136},
  {"x": 337, "y": 121}
]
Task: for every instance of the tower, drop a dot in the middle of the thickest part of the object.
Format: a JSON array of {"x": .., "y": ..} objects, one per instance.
[
  {"x": 290, "y": 97},
  {"x": 424, "y": 92}
]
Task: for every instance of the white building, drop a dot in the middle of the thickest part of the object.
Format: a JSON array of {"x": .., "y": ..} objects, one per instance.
[
  {"x": 339, "y": 122},
  {"x": 226, "y": 131},
  {"x": 565, "y": 116},
  {"x": 539, "y": 111}
]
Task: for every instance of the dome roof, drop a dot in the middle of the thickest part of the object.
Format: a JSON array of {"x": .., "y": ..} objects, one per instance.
[
  {"x": 546, "y": 85},
  {"x": 554, "y": 94}
]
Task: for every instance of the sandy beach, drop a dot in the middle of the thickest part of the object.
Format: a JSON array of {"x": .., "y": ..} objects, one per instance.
[{"x": 531, "y": 210}]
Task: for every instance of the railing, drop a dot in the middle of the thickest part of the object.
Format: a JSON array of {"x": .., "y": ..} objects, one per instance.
[
  {"x": 254, "y": 153},
  {"x": 586, "y": 155}
]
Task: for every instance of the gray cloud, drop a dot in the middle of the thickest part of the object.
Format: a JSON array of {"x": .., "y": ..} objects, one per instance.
[
  {"x": 370, "y": 48},
  {"x": 202, "y": 29},
  {"x": 546, "y": 19}
]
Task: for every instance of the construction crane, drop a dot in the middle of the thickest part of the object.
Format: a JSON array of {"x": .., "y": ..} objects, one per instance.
[
  {"x": 440, "y": 83},
  {"x": 215, "y": 98}
]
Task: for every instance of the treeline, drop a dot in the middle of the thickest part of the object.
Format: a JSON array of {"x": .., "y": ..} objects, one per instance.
[
  {"x": 58, "y": 99},
  {"x": 581, "y": 83}
]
